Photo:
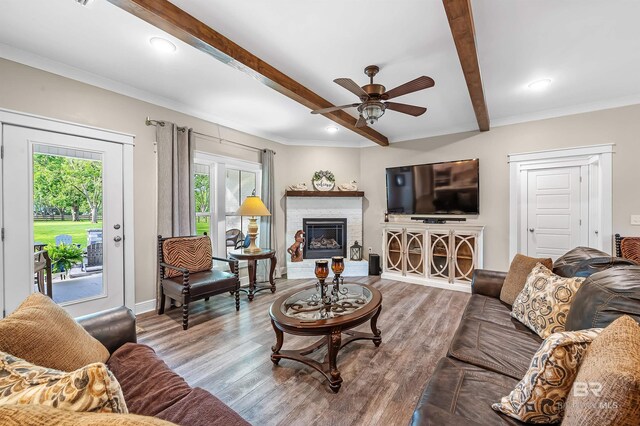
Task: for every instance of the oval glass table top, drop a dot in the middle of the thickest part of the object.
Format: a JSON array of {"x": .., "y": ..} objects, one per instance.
[{"x": 308, "y": 305}]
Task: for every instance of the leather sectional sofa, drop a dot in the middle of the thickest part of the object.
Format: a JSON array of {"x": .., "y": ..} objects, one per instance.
[{"x": 491, "y": 351}]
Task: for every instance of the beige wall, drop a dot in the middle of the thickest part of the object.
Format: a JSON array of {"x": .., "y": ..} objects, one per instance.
[
  {"x": 620, "y": 126},
  {"x": 34, "y": 91}
]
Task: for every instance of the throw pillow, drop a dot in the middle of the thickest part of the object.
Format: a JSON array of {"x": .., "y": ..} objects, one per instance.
[
  {"x": 541, "y": 394},
  {"x": 41, "y": 332},
  {"x": 192, "y": 253},
  {"x": 90, "y": 388},
  {"x": 519, "y": 270},
  {"x": 607, "y": 388},
  {"x": 39, "y": 415},
  {"x": 544, "y": 302}
]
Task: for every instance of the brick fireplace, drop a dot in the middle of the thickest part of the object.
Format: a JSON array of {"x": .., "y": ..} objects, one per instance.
[
  {"x": 335, "y": 216},
  {"x": 324, "y": 237}
]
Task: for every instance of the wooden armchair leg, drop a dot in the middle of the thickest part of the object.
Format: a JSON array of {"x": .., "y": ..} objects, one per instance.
[
  {"x": 185, "y": 316},
  {"x": 163, "y": 300},
  {"x": 237, "y": 300}
]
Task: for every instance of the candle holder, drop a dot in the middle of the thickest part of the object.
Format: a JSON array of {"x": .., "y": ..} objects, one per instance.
[
  {"x": 322, "y": 272},
  {"x": 337, "y": 266}
]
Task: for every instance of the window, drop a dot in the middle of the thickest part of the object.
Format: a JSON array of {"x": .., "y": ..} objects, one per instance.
[
  {"x": 239, "y": 184},
  {"x": 202, "y": 195},
  {"x": 220, "y": 185}
]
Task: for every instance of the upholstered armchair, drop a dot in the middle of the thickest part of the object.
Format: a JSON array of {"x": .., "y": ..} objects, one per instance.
[{"x": 187, "y": 273}]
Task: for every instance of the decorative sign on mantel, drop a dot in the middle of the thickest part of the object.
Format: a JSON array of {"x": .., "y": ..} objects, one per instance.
[{"x": 323, "y": 180}]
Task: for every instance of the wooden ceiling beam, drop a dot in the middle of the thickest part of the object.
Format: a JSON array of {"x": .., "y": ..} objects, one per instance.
[
  {"x": 178, "y": 23},
  {"x": 461, "y": 23}
]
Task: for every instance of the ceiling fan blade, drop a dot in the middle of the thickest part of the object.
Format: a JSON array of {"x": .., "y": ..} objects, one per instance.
[
  {"x": 351, "y": 86},
  {"x": 406, "y": 109},
  {"x": 361, "y": 122},
  {"x": 419, "y": 83},
  {"x": 333, "y": 108}
]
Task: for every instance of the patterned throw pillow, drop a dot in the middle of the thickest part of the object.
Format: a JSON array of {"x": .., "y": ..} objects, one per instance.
[
  {"x": 544, "y": 302},
  {"x": 91, "y": 388},
  {"x": 541, "y": 394},
  {"x": 192, "y": 253},
  {"x": 516, "y": 278}
]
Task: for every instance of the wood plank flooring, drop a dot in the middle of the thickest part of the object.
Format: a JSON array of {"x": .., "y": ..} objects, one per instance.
[{"x": 227, "y": 353}]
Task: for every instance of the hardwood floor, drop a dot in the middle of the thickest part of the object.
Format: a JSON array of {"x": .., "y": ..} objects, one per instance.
[{"x": 227, "y": 353}]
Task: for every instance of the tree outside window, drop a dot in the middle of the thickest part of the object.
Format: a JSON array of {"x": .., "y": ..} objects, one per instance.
[{"x": 202, "y": 195}]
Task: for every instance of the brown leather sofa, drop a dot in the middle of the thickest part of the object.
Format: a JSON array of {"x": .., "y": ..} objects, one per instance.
[
  {"x": 491, "y": 351},
  {"x": 149, "y": 386}
]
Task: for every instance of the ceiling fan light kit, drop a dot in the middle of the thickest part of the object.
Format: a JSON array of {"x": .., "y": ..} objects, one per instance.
[
  {"x": 372, "y": 96},
  {"x": 371, "y": 111}
]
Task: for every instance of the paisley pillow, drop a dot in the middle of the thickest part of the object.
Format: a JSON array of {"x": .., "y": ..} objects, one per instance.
[
  {"x": 541, "y": 395},
  {"x": 544, "y": 302},
  {"x": 91, "y": 388}
]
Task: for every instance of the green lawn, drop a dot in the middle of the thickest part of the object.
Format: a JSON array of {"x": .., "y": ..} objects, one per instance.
[
  {"x": 45, "y": 231},
  {"x": 202, "y": 227}
]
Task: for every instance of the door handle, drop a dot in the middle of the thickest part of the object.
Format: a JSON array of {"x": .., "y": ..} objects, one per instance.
[
  {"x": 117, "y": 239},
  {"x": 531, "y": 229}
]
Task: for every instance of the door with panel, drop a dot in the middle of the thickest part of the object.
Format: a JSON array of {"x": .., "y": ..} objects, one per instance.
[
  {"x": 440, "y": 255},
  {"x": 415, "y": 252},
  {"x": 556, "y": 212},
  {"x": 394, "y": 248},
  {"x": 66, "y": 197}
]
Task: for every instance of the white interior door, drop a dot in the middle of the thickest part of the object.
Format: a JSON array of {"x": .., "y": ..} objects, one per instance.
[
  {"x": 554, "y": 211},
  {"x": 84, "y": 173}
]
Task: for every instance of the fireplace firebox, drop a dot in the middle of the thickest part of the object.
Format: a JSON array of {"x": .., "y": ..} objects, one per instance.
[{"x": 324, "y": 238}]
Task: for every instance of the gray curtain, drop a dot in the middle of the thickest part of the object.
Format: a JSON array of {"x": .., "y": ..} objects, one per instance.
[
  {"x": 267, "y": 236},
  {"x": 176, "y": 205}
]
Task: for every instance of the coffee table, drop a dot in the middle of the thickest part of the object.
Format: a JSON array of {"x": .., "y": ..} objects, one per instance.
[{"x": 303, "y": 314}]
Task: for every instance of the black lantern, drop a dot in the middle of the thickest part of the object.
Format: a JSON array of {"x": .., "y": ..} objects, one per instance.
[{"x": 356, "y": 251}]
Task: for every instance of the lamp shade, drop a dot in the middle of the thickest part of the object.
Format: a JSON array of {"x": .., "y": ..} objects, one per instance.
[{"x": 253, "y": 206}]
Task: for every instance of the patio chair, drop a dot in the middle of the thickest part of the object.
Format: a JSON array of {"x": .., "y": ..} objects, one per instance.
[
  {"x": 65, "y": 239},
  {"x": 42, "y": 271},
  {"x": 187, "y": 273},
  {"x": 92, "y": 257},
  {"x": 628, "y": 247},
  {"x": 234, "y": 238}
]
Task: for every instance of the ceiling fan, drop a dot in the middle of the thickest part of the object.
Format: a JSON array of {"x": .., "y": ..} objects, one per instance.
[{"x": 373, "y": 97}]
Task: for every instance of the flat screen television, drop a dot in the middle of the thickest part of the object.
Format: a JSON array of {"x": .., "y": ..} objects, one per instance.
[{"x": 450, "y": 188}]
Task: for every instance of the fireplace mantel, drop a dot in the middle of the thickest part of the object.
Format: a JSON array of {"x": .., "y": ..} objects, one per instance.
[{"x": 324, "y": 193}]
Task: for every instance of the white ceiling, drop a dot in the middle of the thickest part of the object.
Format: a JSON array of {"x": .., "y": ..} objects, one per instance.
[{"x": 588, "y": 48}]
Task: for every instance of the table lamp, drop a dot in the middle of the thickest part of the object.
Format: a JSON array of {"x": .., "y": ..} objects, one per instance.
[{"x": 253, "y": 206}]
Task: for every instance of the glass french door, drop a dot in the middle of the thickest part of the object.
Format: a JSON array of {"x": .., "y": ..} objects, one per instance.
[{"x": 62, "y": 220}]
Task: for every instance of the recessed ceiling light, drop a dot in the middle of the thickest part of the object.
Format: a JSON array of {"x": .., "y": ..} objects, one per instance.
[
  {"x": 162, "y": 45},
  {"x": 539, "y": 84},
  {"x": 332, "y": 129}
]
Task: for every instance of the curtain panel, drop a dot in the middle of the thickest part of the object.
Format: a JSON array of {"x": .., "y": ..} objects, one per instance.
[
  {"x": 176, "y": 204},
  {"x": 267, "y": 235}
]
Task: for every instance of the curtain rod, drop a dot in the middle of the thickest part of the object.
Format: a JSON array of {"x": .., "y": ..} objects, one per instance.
[{"x": 150, "y": 122}]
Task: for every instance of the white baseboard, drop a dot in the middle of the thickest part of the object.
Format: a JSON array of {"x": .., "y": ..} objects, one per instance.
[
  {"x": 457, "y": 286},
  {"x": 146, "y": 306}
]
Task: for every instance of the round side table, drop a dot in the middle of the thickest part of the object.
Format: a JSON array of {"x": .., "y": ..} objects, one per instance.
[{"x": 252, "y": 259}]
